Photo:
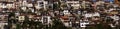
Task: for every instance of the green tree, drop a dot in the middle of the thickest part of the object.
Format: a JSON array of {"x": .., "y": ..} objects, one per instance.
[
  {"x": 18, "y": 26},
  {"x": 57, "y": 24}
]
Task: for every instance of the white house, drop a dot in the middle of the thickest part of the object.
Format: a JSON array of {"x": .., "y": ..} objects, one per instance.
[
  {"x": 10, "y": 6},
  {"x": 74, "y": 4},
  {"x": 46, "y": 19},
  {"x": 88, "y": 15},
  {"x": 66, "y": 12},
  {"x": 96, "y": 14},
  {"x": 2, "y": 25},
  {"x": 21, "y": 18},
  {"x": 116, "y": 18},
  {"x": 30, "y": 5},
  {"x": 83, "y": 24}
]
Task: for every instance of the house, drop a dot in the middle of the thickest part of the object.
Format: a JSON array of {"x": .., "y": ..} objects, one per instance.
[
  {"x": 2, "y": 25},
  {"x": 21, "y": 18},
  {"x": 10, "y": 5},
  {"x": 46, "y": 20},
  {"x": 74, "y": 4},
  {"x": 30, "y": 5},
  {"x": 83, "y": 24}
]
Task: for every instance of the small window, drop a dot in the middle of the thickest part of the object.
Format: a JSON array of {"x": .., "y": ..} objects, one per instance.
[{"x": 41, "y": 3}]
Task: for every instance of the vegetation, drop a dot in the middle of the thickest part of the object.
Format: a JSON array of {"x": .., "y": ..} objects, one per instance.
[{"x": 56, "y": 24}]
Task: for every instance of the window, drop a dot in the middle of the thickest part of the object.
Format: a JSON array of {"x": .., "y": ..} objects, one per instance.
[
  {"x": 119, "y": 0},
  {"x": 41, "y": 3}
]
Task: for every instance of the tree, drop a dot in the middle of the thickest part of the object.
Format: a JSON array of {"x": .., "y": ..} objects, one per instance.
[
  {"x": 18, "y": 26},
  {"x": 57, "y": 24}
]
